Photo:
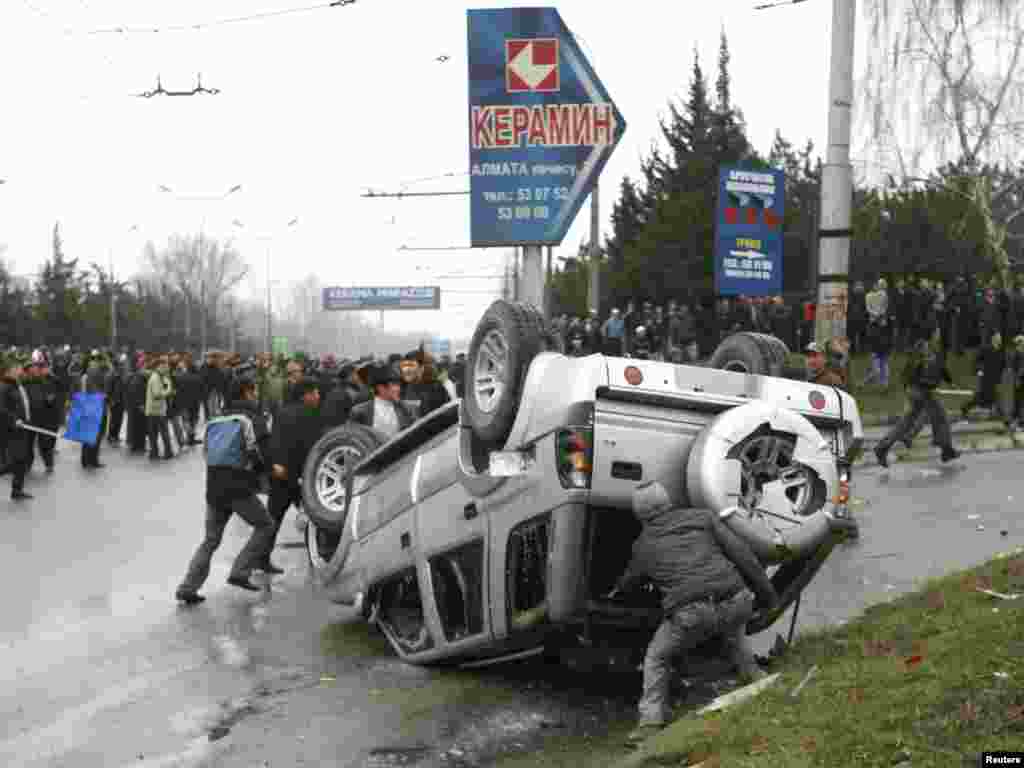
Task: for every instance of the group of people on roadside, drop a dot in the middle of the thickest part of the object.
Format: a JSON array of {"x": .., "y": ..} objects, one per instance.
[{"x": 259, "y": 442}]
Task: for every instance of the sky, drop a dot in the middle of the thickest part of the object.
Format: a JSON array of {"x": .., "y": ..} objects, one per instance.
[{"x": 316, "y": 108}]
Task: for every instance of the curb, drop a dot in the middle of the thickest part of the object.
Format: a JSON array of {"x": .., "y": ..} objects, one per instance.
[
  {"x": 959, "y": 428},
  {"x": 924, "y": 451}
]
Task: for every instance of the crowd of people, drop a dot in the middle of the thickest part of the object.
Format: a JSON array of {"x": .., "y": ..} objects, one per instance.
[{"x": 888, "y": 316}]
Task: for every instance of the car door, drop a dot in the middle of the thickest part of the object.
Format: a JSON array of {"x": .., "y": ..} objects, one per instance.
[{"x": 452, "y": 552}]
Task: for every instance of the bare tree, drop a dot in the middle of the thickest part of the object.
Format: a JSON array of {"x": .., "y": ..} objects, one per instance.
[
  {"x": 221, "y": 270},
  {"x": 945, "y": 82},
  {"x": 178, "y": 266}
]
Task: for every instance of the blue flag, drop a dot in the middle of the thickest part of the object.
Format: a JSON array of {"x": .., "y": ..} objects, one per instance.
[{"x": 85, "y": 417}]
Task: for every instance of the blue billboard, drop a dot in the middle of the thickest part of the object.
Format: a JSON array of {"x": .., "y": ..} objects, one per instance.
[
  {"x": 407, "y": 297},
  {"x": 748, "y": 241},
  {"x": 541, "y": 127}
]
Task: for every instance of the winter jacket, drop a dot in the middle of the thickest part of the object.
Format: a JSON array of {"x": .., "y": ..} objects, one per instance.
[
  {"x": 226, "y": 484},
  {"x": 926, "y": 372},
  {"x": 430, "y": 395},
  {"x": 677, "y": 550},
  {"x": 46, "y": 402},
  {"x": 296, "y": 430},
  {"x": 189, "y": 389},
  {"x": 12, "y": 409},
  {"x": 159, "y": 390},
  {"x": 135, "y": 397},
  {"x": 880, "y": 336},
  {"x": 989, "y": 365}
]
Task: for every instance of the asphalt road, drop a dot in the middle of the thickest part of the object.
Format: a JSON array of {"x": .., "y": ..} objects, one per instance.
[{"x": 102, "y": 668}]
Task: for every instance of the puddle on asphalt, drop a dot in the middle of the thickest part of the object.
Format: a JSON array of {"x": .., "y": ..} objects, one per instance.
[{"x": 920, "y": 477}]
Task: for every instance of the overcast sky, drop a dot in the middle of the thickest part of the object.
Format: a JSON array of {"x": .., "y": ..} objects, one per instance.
[{"x": 317, "y": 107}]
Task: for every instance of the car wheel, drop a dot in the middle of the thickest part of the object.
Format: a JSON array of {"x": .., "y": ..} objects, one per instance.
[
  {"x": 777, "y": 347},
  {"x": 773, "y": 465},
  {"x": 505, "y": 342},
  {"x": 325, "y": 478},
  {"x": 744, "y": 353}
]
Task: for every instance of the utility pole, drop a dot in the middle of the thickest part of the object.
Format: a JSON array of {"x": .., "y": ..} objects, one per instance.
[
  {"x": 547, "y": 290},
  {"x": 516, "y": 290},
  {"x": 837, "y": 181},
  {"x": 594, "y": 291}
]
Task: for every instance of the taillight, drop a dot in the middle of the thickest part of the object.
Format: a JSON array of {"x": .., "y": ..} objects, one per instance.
[
  {"x": 843, "y": 496},
  {"x": 575, "y": 457}
]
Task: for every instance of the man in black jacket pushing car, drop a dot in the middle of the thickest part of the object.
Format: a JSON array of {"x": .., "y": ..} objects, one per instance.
[
  {"x": 703, "y": 571},
  {"x": 299, "y": 425}
]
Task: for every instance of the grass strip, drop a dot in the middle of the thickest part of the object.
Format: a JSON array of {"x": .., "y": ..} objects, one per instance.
[{"x": 930, "y": 679}]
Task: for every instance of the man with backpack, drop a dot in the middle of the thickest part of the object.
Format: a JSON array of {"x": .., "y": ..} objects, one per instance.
[{"x": 235, "y": 448}]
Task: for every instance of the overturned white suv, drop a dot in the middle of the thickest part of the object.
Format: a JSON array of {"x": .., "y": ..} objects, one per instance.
[{"x": 493, "y": 528}]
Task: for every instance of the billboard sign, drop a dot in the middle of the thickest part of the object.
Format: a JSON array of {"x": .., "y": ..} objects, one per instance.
[
  {"x": 379, "y": 298},
  {"x": 541, "y": 127},
  {"x": 748, "y": 242}
]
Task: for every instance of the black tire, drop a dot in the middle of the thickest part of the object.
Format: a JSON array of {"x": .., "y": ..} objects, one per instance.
[
  {"x": 779, "y": 350},
  {"x": 744, "y": 353},
  {"x": 544, "y": 332},
  {"x": 325, "y": 498},
  {"x": 505, "y": 342}
]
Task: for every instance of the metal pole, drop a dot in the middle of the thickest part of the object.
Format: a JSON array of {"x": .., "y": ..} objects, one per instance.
[
  {"x": 837, "y": 181},
  {"x": 594, "y": 292}
]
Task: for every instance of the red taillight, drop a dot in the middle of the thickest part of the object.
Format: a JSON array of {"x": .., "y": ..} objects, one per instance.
[
  {"x": 575, "y": 455},
  {"x": 634, "y": 376},
  {"x": 843, "y": 496}
]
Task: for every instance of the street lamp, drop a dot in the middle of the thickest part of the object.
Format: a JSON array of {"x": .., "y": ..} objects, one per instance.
[
  {"x": 267, "y": 238},
  {"x": 202, "y": 224}
]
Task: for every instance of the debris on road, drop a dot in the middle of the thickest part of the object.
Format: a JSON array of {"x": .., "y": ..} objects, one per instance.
[
  {"x": 740, "y": 694},
  {"x": 1000, "y": 595},
  {"x": 807, "y": 678}
]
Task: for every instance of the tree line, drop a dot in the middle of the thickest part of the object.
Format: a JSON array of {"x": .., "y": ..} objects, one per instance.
[
  {"x": 963, "y": 217},
  {"x": 184, "y": 286}
]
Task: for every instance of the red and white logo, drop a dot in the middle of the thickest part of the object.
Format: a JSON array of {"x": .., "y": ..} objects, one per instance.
[{"x": 531, "y": 66}]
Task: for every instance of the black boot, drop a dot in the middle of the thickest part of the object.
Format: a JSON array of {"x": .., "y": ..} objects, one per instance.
[{"x": 949, "y": 453}]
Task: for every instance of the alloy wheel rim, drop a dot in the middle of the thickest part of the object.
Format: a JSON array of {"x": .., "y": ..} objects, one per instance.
[{"x": 490, "y": 372}]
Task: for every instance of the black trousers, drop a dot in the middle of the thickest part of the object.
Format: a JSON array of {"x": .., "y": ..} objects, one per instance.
[
  {"x": 922, "y": 401},
  {"x": 158, "y": 428},
  {"x": 116, "y": 422},
  {"x": 283, "y": 494},
  {"x": 137, "y": 429},
  {"x": 46, "y": 446},
  {"x": 91, "y": 453},
  {"x": 24, "y": 455}
]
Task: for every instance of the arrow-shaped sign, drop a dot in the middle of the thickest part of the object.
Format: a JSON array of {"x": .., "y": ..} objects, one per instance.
[{"x": 542, "y": 127}]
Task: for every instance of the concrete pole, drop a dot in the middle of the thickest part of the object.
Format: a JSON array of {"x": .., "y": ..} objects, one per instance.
[
  {"x": 517, "y": 288},
  {"x": 837, "y": 181},
  {"x": 547, "y": 289},
  {"x": 531, "y": 277}
]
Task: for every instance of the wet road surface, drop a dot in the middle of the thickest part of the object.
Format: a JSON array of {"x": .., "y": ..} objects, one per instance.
[{"x": 102, "y": 668}]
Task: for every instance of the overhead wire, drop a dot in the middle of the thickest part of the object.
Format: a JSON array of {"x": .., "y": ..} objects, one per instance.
[{"x": 124, "y": 30}]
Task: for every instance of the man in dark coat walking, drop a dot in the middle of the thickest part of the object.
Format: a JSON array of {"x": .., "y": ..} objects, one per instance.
[
  {"x": 135, "y": 406},
  {"x": 47, "y": 406},
  {"x": 116, "y": 385},
  {"x": 15, "y": 411}
]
